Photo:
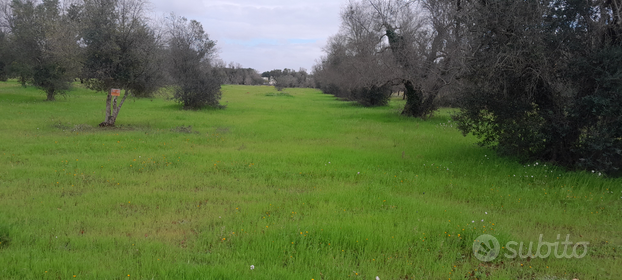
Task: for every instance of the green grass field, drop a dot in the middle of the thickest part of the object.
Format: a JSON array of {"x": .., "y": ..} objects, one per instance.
[{"x": 299, "y": 185}]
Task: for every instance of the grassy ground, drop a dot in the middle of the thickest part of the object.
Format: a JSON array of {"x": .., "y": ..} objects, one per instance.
[{"x": 299, "y": 185}]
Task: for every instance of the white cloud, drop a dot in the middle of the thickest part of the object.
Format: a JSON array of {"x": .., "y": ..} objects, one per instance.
[{"x": 263, "y": 34}]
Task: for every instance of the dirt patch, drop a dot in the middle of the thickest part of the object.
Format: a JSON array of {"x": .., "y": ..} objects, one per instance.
[
  {"x": 183, "y": 129},
  {"x": 222, "y": 130}
]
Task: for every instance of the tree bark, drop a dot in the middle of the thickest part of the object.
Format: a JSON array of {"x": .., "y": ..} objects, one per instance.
[
  {"x": 112, "y": 112},
  {"x": 414, "y": 98},
  {"x": 50, "y": 96},
  {"x": 117, "y": 109},
  {"x": 107, "y": 118},
  {"x": 418, "y": 105},
  {"x": 114, "y": 107},
  {"x": 22, "y": 80}
]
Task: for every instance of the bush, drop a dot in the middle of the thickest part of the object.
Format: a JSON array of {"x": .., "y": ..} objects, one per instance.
[
  {"x": 190, "y": 50},
  {"x": 372, "y": 96},
  {"x": 198, "y": 93}
]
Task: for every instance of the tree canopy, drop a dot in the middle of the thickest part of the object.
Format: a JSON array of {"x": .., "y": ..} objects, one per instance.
[
  {"x": 533, "y": 79},
  {"x": 43, "y": 42},
  {"x": 108, "y": 44},
  {"x": 190, "y": 53}
]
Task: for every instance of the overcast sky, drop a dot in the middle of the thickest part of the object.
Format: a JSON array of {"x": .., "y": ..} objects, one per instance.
[{"x": 262, "y": 34}]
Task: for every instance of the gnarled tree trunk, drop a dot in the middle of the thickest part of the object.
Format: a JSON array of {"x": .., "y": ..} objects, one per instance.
[
  {"x": 414, "y": 98},
  {"x": 113, "y": 111},
  {"x": 417, "y": 104}
]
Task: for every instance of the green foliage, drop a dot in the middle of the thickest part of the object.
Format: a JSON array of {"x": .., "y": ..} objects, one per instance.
[
  {"x": 236, "y": 75},
  {"x": 368, "y": 96},
  {"x": 543, "y": 84},
  {"x": 384, "y": 44},
  {"x": 372, "y": 96},
  {"x": 198, "y": 93},
  {"x": 52, "y": 78},
  {"x": 289, "y": 78},
  {"x": 189, "y": 66},
  {"x": 597, "y": 110},
  {"x": 43, "y": 44},
  {"x": 120, "y": 48},
  {"x": 26, "y": 29}
]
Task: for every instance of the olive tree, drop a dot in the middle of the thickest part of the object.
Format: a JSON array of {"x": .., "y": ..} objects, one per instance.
[
  {"x": 189, "y": 55},
  {"x": 357, "y": 65},
  {"x": 44, "y": 45},
  {"x": 388, "y": 43},
  {"x": 120, "y": 51},
  {"x": 543, "y": 80}
]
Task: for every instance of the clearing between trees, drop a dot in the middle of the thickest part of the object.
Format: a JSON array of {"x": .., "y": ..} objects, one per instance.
[{"x": 281, "y": 186}]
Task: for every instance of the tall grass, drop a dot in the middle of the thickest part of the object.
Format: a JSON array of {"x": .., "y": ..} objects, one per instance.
[{"x": 299, "y": 185}]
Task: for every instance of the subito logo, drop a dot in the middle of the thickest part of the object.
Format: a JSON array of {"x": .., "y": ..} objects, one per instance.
[{"x": 486, "y": 248}]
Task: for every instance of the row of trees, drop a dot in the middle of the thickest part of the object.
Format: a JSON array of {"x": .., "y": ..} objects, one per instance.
[
  {"x": 537, "y": 79},
  {"x": 388, "y": 45},
  {"x": 107, "y": 44},
  {"x": 235, "y": 74},
  {"x": 288, "y": 78}
]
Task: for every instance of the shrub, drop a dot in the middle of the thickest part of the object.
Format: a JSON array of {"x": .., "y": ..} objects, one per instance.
[
  {"x": 198, "y": 93},
  {"x": 372, "y": 96},
  {"x": 552, "y": 91}
]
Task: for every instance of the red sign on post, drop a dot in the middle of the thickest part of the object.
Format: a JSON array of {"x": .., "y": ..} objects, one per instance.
[{"x": 115, "y": 92}]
